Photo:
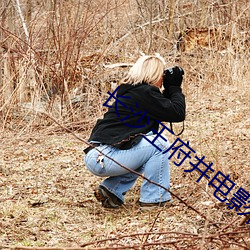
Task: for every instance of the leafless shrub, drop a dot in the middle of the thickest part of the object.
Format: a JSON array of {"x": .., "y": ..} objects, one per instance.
[{"x": 52, "y": 58}]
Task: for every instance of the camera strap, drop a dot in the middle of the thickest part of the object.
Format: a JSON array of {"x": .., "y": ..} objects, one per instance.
[{"x": 171, "y": 127}]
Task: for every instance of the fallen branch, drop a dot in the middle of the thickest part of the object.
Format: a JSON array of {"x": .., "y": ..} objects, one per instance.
[
  {"x": 176, "y": 237},
  {"x": 182, "y": 234},
  {"x": 115, "y": 65},
  {"x": 39, "y": 248}
]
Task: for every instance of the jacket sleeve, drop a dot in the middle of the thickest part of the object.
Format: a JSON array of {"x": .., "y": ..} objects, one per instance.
[{"x": 169, "y": 106}]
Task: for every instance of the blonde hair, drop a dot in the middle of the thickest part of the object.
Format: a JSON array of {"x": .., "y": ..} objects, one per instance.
[{"x": 148, "y": 69}]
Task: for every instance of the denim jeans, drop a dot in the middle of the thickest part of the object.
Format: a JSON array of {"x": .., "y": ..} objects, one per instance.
[{"x": 144, "y": 158}]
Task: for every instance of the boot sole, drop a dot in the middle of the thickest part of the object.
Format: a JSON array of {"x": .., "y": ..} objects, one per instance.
[{"x": 153, "y": 206}]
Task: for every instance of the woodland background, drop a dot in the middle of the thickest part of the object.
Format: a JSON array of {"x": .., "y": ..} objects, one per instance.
[{"x": 58, "y": 59}]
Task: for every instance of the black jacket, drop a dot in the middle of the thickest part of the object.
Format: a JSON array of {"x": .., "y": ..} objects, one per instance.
[{"x": 122, "y": 125}]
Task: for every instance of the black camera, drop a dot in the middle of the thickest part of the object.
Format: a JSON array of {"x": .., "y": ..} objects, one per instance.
[
  {"x": 171, "y": 70},
  {"x": 173, "y": 76}
]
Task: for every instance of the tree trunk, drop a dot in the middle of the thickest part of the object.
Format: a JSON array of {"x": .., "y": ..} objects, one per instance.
[
  {"x": 6, "y": 67},
  {"x": 171, "y": 20},
  {"x": 203, "y": 20},
  {"x": 28, "y": 88},
  {"x": 150, "y": 10}
]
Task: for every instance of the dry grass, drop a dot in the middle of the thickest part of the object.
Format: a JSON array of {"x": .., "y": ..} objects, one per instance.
[
  {"x": 47, "y": 198},
  {"x": 46, "y": 193}
]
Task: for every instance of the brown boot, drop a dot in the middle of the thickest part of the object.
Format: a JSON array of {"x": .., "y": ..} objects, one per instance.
[{"x": 107, "y": 199}]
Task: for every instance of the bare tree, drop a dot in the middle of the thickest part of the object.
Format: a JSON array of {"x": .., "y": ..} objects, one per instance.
[
  {"x": 150, "y": 11},
  {"x": 203, "y": 22},
  {"x": 27, "y": 90},
  {"x": 6, "y": 62},
  {"x": 171, "y": 19}
]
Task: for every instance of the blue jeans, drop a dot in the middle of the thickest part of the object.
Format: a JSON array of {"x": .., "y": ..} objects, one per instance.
[{"x": 143, "y": 158}]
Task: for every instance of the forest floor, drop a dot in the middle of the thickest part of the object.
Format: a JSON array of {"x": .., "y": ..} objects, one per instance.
[{"x": 46, "y": 192}]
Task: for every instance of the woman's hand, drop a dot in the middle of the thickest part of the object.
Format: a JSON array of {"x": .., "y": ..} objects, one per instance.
[{"x": 173, "y": 77}]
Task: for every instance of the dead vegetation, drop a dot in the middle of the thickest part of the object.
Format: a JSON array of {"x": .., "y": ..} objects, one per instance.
[{"x": 54, "y": 58}]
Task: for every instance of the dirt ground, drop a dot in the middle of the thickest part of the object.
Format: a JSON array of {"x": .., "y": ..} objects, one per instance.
[{"x": 46, "y": 193}]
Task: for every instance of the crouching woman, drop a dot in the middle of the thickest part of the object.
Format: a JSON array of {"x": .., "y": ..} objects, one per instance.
[{"x": 128, "y": 131}]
